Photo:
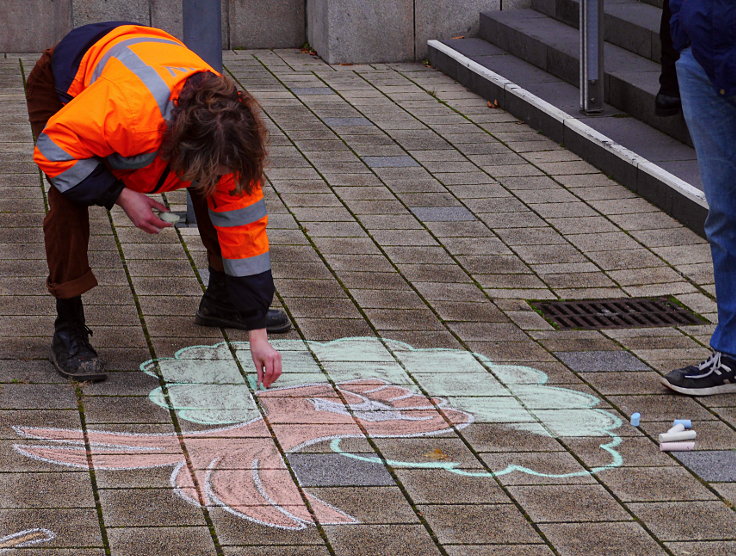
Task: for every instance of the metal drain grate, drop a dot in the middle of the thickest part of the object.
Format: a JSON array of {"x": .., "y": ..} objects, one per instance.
[{"x": 630, "y": 312}]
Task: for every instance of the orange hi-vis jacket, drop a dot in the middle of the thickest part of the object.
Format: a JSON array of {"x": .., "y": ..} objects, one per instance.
[{"x": 119, "y": 83}]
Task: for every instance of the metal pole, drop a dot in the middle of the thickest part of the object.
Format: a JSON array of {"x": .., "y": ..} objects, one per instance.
[
  {"x": 202, "y": 21},
  {"x": 591, "y": 56}
]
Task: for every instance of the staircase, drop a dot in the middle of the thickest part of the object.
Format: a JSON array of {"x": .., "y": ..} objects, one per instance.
[{"x": 528, "y": 61}]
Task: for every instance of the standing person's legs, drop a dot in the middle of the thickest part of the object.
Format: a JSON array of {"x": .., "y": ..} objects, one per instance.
[
  {"x": 66, "y": 234},
  {"x": 215, "y": 309},
  {"x": 711, "y": 120}
]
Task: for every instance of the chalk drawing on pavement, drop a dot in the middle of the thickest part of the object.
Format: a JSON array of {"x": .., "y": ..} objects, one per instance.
[
  {"x": 239, "y": 468},
  {"x": 25, "y": 538},
  {"x": 330, "y": 391}
]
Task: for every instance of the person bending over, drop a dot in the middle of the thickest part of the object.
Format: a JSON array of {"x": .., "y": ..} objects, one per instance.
[{"x": 119, "y": 111}]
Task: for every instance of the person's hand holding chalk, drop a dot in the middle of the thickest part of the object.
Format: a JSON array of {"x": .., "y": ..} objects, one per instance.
[{"x": 140, "y": 209}]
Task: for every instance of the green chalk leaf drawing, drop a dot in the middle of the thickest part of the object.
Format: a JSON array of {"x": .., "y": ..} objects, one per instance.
[{"x": 205, "y": 385}]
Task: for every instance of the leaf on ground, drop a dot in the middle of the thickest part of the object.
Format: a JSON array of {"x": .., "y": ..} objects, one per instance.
[
  {"x": 493, "y": 103},
  {"x": 436, "y": 454}
]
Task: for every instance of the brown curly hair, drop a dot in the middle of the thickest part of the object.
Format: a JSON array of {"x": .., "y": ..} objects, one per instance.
[{"x": 215, "y": 128}]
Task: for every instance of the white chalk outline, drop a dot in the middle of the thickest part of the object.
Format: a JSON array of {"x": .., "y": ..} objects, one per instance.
[{"x": 48, "y": 537}]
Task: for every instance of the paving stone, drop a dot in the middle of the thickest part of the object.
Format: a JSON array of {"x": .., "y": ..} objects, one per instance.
[
  {"x": 673, "y": 521},
  {"x": 163, "y": 541},
  {"x": 306, "y": 91},
  {"x": 469, "y": 523},
  {"x": 442, "y": 214},
  {"x": 573, "y": 503},
  {"x": 301, "y": 550},
  {"x": 37, "y": 490},
  {"x": 390, "y": 161},
  {"x": 134, "y": 507},
  {"x": 37, "y": 396},
  {"x": 437, "y": 486},
  {"x": 368, "y": 540},
  {"x": 727, "y": 491},
  {"x": 497, "y": 549},
  {"x": 714, "y": 548},
  {"x": 123, "y": 409},
  {"x": 600, "y": 538},
  {"x": 73, "y": 528},
  {"x": 711, "y": 465},
  {"x": 375, "y": 504},
  {"x": 235, "y": 531},
  {"x": 653, "y": 484},
  {"x": 348, "y": 122},
  {"x": 338, "y": 470},
  {"x": 601, "y": 361}
]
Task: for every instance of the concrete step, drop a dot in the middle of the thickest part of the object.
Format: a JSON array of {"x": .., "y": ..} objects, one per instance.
[
  {"x": 644, "y": 159},
  {"x": 629, "y": 24},
  {"x": 630, "y": 82}
]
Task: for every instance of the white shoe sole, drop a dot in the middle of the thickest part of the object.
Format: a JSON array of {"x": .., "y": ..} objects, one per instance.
[{"x": 722, "y": 389}]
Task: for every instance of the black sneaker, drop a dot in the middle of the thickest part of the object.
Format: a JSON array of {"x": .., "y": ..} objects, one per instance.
[
  {"x": 72, "y": 355},
  {"x": 715, "y": 375}
]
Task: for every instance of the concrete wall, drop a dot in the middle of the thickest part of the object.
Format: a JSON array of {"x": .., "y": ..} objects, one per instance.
[
  {"x": 358, "y": 31},
  {"x": 365, "y": 31},
  {"x": 341, "y": 31},
  {"x": 32, "y": 25}
]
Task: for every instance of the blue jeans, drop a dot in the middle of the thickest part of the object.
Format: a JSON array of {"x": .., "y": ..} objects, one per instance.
[{"x": 711, "y": 119}]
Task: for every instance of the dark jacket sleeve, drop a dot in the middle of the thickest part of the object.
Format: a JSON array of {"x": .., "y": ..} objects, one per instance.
[
  {"x": 680, "y": 39},
  {"x": 99, "y": 188}
]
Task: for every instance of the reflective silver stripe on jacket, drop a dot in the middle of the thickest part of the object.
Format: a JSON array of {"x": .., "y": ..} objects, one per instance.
[
  {"x": 249, "y": 266},
  {"x": 75, "y": 175},
  {"x": 71, "y": 176},
  {"x": 120, "y": 162},
  {"x": 147, "y": 74},
  {"x": 239, "y": 217},
  {"x": 50, "y": 150}
]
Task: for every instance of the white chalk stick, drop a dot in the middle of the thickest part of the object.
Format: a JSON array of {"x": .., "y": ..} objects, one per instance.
[
  {"x": 677, "y": 436},
  {"x": 679, "y": 427},
  {"x": 169, "y": 217},
  {"x": 676, "y": 446}
]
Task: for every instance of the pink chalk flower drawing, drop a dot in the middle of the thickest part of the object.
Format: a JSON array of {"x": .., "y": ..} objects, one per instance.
[{"x": 233, "y": 459}]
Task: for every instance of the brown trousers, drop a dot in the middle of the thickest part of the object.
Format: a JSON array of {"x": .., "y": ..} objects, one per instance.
[{"x": 66, "y": 225}]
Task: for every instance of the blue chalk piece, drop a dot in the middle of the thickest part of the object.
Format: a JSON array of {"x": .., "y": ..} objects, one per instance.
[
  {"x": 635, "y": 417},
  {"x": 684, "y": 422}
]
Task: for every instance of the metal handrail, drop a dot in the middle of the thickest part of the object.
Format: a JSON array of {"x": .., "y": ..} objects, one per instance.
[{"x": 591, "y": 56}]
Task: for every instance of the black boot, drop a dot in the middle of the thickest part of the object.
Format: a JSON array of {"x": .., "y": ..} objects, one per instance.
[
  {"x": 667, "y": 103},
  {"x": 71, "y": 352},
  {"x": 216, "y": 309}
]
